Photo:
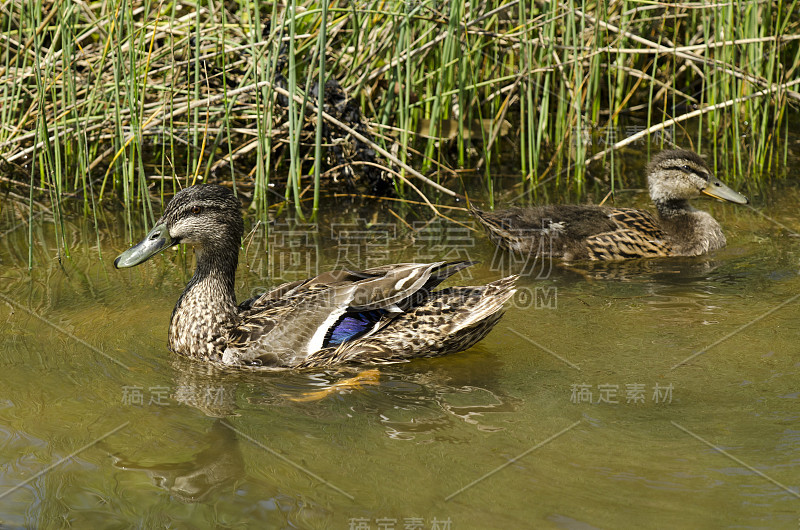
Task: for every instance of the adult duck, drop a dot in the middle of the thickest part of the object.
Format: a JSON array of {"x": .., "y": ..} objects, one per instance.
[
  {"x": 378, "y": 315},
  {"x": 587, "y": 232}
]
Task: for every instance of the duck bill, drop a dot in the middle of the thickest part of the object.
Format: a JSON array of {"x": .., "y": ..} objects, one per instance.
[
  {"x": 718, "y": 190},
  {"x": 157, "y": 240}
]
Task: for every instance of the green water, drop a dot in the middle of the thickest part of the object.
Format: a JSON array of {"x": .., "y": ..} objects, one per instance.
[{"x": 105, "y": 428}]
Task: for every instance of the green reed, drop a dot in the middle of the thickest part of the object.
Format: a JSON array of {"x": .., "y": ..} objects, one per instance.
[{"x": 130, "y": 99}]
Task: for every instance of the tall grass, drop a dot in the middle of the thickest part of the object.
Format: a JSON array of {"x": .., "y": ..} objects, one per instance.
[{"x": 130, "y": 98}]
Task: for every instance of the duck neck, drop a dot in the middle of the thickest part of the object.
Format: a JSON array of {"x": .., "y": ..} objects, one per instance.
[
  {"x": 207, "y": 306},
  {"x": 672, "y": 207},
  {"x": 691, "y": 232}
]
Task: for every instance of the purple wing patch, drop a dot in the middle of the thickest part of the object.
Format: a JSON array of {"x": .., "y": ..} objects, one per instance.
[{"x": 351, "y": 326}]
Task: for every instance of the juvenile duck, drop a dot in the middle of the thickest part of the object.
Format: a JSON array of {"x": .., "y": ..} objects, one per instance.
[
  {"x": 585, "y": 232},
  {"x": 384, "y": 314}
]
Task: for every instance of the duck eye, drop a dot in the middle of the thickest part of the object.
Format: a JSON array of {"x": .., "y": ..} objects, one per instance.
[
  {"x": 196, "y": 210},
  {"x": 687, "y": 169}
]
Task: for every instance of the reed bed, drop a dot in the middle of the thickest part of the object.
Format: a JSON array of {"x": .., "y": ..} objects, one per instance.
[{"x": 127, "y": 99}]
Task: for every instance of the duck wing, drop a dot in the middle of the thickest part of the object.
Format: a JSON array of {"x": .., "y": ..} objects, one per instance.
[
  {"x": 551, "y": 230},
  {"x": 448, "y": 321},
  {"x": 287, "y": 324},
  {"x": 636, "y": 235},
  {"x": 576, "y": 232}
]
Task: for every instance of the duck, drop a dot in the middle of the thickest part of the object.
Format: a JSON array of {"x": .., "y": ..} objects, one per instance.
[
  {"x": 588, "y": 232},
  {"x": 383, "y": 314}
]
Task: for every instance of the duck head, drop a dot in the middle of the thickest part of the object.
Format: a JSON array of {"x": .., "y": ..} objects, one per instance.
[
  {"x": 206, "y": 216},
  {"x": 680, "y": 175}
]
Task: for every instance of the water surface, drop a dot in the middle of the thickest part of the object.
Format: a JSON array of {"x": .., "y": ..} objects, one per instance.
[{"x": 660, "y": 393}]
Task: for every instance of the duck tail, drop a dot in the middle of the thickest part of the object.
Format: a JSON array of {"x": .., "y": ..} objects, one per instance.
[
  {"x": 494, "y": 226},
  {"x": 490, "y": 304},
  {"x": 472, "y": 312}
]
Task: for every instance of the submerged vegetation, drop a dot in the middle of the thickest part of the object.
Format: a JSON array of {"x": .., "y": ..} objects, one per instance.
[{"x": 128, "y": 98}]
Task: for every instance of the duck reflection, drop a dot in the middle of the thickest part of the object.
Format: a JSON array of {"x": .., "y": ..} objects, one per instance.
[
  {"x": 670, "y": 270},
  {"x": 421, "y": 400},
  {"x": 217, "y": 465},
  {"x": 206, "y": 387},
  {"x": 425, "y": 405}
]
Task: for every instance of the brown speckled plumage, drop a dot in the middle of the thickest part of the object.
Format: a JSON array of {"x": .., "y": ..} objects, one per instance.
[
  {"x": 451, "y": 320},
  {"x": 380, "y": 315},
  {"x": 585, "y": 232}
]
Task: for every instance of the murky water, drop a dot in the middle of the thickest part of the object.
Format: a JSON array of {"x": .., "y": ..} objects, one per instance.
[{"x": 661, "y": 393}]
